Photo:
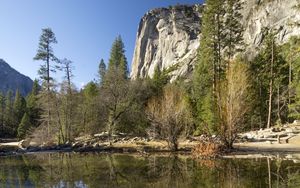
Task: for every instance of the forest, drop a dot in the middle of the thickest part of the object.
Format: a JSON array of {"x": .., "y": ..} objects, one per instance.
[{"x": 227, "y": 94}]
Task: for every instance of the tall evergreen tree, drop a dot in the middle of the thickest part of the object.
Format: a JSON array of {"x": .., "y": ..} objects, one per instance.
[
  {"x": 271, "y": 72},
  {"x": 19, "y": 107},
  {"x": 210, "y": 67},
  {"x": 159, "y": 80},
  {"x": 117, "y": 58},
  {"x": 221, "y": 39},
  {"x": 9, "y": 115},
  {"x": 24, "y": 126},
  {"x": 291, "y": 51},
  {"x": 32, "y": 106},
  {"x": 116, "y": 92},
  {"x": 89, "y": 108},
  {"x": 45, "y": 53},
  {"x": 2, "y": 113},
  {"x": 259, "y": 92},
  {"x": 101, "y": 71},
  {"x": 233, "y": 29}
]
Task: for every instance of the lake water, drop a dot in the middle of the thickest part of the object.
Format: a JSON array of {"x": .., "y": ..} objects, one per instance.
[{"x": 67, "y": 170}]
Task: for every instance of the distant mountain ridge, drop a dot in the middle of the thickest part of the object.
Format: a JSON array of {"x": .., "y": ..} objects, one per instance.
[{"x": 10, "y": 79}]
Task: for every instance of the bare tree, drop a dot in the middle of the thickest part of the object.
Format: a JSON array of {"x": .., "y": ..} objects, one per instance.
[
  {"x": 233, "y": 102},
  {"x": 170, "y": 114},
  {"x": 67, "y": 102}
]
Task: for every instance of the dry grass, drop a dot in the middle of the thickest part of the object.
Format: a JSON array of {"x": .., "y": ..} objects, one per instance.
[{"x": 207, "y": 150}]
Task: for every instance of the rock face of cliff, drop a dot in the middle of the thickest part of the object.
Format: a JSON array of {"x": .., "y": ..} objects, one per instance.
[
  {"x": 10, "y": 79},
  {"x": 282, "y": 16},
  {"x": 169, "y": 37}
]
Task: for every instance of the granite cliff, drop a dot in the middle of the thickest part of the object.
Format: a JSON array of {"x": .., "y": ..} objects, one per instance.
[
  {"x": 10, "y": 79},
  {"x": 170, "y": 37},
  {"x": 167, "y": 37}
]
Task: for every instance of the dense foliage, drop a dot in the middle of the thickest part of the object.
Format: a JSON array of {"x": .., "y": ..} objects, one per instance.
[{"x": 19, "y": 114}]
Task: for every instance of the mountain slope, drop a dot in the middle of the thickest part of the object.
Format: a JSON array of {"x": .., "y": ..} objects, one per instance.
[{"x": 10, "y": 79}]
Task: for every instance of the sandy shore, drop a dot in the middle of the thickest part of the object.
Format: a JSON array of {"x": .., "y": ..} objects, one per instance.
[{"x": 259, "y": 147}]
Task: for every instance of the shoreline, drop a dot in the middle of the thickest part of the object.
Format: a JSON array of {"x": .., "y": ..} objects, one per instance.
[{"x": 240, "y": 149}]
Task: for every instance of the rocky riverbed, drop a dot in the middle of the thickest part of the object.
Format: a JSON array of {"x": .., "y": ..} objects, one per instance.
[
  {"x": 285, "y": 139},
  {"x": 99, "y": 143}
]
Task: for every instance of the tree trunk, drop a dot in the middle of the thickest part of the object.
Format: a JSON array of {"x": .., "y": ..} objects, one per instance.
[
  {"x": 110, "y": 127},
  {"x": 278, "y": 105},
  {"x": 69, "y": 102},
  {"x": 290, "y": 82},
  {"x": 260, "y": 109},
  {"x": 173, "y": 145},
  {"x": 289, "y": 87},
  {"x": 48, "y": 91},
  {"x": 271, "y": 88}
]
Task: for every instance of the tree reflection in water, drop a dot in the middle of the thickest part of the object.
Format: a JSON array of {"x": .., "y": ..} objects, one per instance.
[{"x": 70, "y": 170}]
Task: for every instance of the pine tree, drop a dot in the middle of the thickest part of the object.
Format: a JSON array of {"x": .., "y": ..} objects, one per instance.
[
  {"x": 221, "y": 39},
  {"x": 259, "y": 92},
  {"x": 116, "y": 91},
  {"x": 233, "y": 29},
  {"x": 9, "y": 115},
  {"x": 291, "y": 51},
  {"x": 210, "y": 68},
  {"x": 159, "y": 80},
  {"x": 295, "y": 106},
  {"x": 19, "y": 107},
  {"x": 2, "y": 113},
  {"x": 101, "y": 71},
  {"x": 24, "y": 126},
  {"x": 33, "y": 109},
  {"x": 89, "y": 108},
  {"x": 117, "y": 58},
  {"x": 45, "y": 53},
  {"x": 271, "y": 72}
]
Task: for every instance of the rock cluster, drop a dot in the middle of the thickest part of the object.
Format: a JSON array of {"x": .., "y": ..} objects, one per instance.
[
  {"x": 101, "y": 143},
  {"x": 281, "y": 135}
]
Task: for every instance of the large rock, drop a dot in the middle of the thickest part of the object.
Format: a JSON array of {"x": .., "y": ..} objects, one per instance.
[
  {"x": 10, "y": 79},
  {"x": 281, "y": 15},
  {"x": 169, "y": 37}
]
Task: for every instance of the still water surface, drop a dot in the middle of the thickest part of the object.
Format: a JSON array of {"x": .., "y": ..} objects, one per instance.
[{"x": 90, "y": 170}]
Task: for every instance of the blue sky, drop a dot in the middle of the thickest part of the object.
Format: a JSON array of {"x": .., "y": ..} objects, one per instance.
[{"x": 85, "y": 30}]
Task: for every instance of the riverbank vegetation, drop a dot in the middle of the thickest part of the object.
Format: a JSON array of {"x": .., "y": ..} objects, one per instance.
[{"x": 228, "y": 93}]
